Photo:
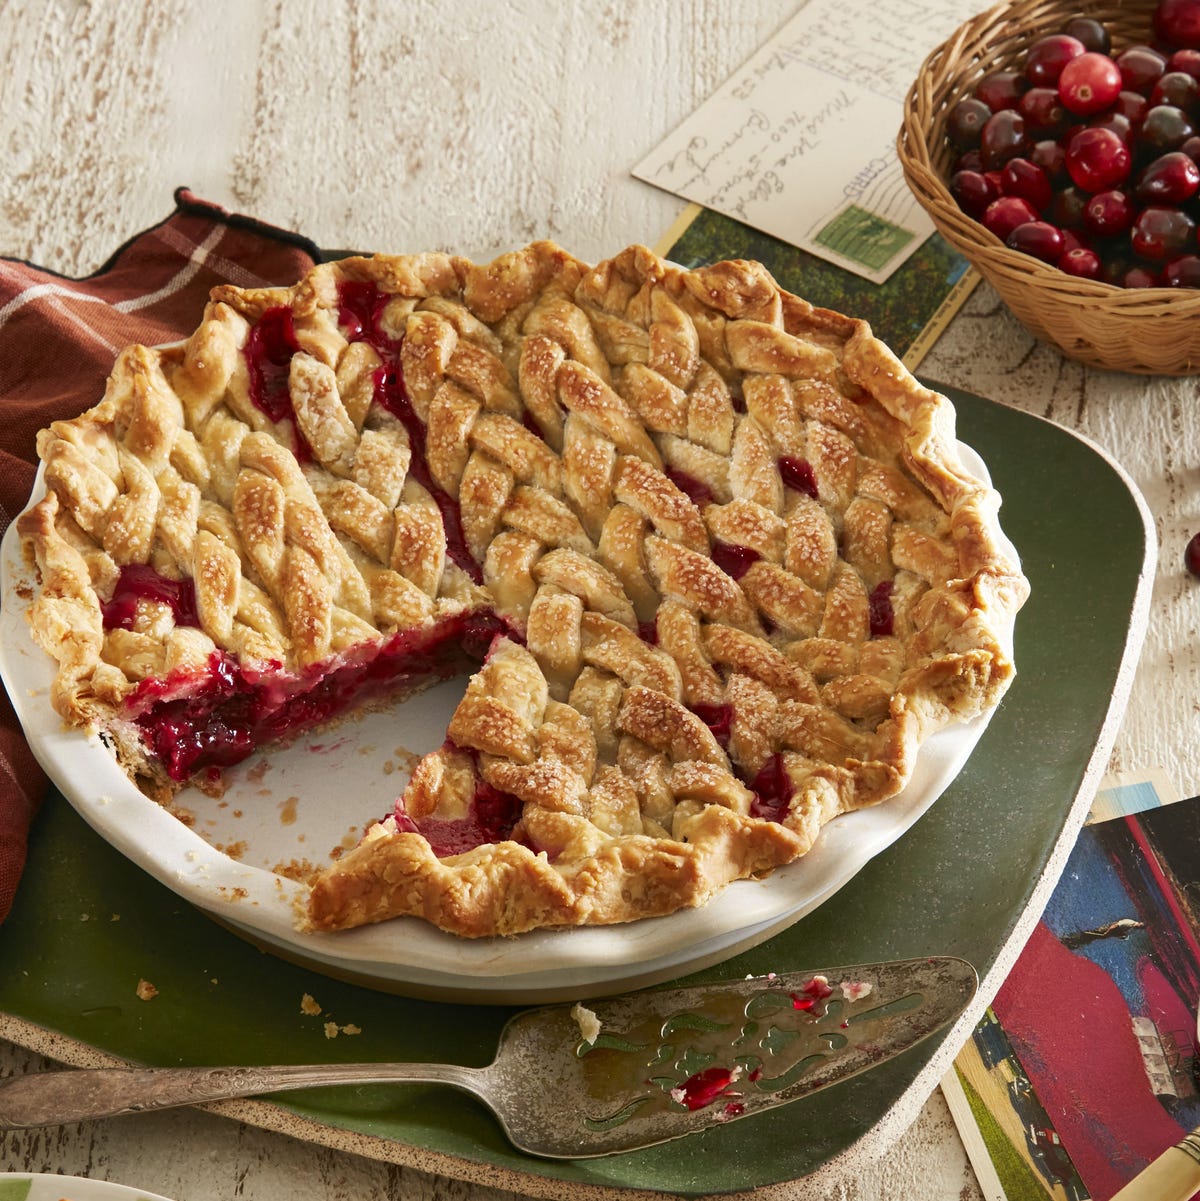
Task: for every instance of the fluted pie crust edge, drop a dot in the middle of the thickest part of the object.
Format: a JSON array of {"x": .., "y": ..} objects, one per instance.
[{"x": 716, "y": 548}]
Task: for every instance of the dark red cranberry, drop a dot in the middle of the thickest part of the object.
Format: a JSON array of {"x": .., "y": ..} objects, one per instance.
[
  {"x": 1022, "y": 178},
  {"x": 1120, "y": 124},
  {"x": 1001, "y": 89},
  {"x": 1092, "y": 33},
  {"x": 1163, "y": 128},
  {"x": 1140, "y": 67},
  {"x": 1191, "y": 148},
  {"x": 1098, "y": 159},
  {"x": 1115, "y": 263},
  {"x": 1177, "y": 88},
  {"x": 972, "y": 160},
  {"x": 1051, "y": 157},
  {"x": 1183, "y": 272},
  {"x": 1108, "y": 214},
  {"x": 733, "y": 560},
  {"x": 1141, "y": 276},
  {"x": 1037, "y": 238},
  {"x": 1132, "y": 105},
  {"x": 1072, "y": 241},
  {"x": 965, "y": 122},
  {"x": 1048, "y": 57},
  {"x": 1177, "y": 23},
  {"x": 1043, "y": 111},
  {"x": 1003, "y": 137},
  {"x": 798, "y": 474},
  {"x": 1089, "y": 84},
  {"x": 1080, "y": 261},
  {"x": 1191, "y": 555},
  {"x": 1171, "y": 178},
  {"x": 1160, "y": 234},
  {"x": 1187, "y": 61},
  {"x": 1004, "y": 215},
  {"x": 1067, "y": 207}
]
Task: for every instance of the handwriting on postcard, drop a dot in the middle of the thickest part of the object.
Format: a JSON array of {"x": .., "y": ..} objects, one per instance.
[{"x": 800, "y": 141}]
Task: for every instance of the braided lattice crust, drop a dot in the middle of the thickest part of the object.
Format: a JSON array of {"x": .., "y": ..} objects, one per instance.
[{"x": 726, "y": 564}]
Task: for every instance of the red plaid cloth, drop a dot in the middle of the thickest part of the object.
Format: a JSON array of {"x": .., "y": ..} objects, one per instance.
[{"x": 58, "y": 340}]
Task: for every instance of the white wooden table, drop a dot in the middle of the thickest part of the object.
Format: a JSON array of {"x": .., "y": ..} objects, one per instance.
[{"x": 418, "y": 125}]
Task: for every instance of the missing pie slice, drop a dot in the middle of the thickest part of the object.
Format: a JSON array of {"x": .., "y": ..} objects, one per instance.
[{"x": 712, "y": 550}]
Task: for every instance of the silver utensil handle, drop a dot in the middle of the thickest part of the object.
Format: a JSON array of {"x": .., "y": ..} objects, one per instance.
[{"x": 53, "y": 1098}]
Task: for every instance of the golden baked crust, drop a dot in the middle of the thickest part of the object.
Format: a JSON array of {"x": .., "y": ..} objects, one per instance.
[{"x": 735, "y": 570}]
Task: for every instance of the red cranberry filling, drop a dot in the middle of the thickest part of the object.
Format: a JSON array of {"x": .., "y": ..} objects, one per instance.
[
  {"x": 733, "y": 560},
  {"x": 718, "y": 718},
  {"x": 883, "y": 616},
  {"x": 269, "y": 350},
  {"x": 798, "y": 475},
  {"x": 218, "y": 721},
  {"x": 139, "y": 581},
  {"x": 493, "y": 816},
  {"x": 772, "y": 791},
  {"x": 703, "y": 1088},
  {"x": 699, "y": 493}
]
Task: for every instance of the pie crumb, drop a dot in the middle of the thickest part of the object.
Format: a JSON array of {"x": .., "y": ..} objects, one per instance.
[
  {"x": 146, "y": 991},
  {"x": 587, "y": 1021},
  {"x": 309, "y": 1006}
]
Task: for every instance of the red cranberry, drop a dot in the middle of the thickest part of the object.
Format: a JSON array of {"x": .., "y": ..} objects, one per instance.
[
  {"x": 1191, "y": 555},
  {"x": 971, "y": 161},
  {"x": 1108, "y": 214},
  {"x": 1140, "y": 277},
  {"x": 1001, "y": 89},
  {"x": 1183, "y": 272},
  {"x": 1132, "y": 105},
  {"x": 1159, "y": 234},
  {"x": 1066, "y": 209},
  {"x": 1187, "y": 61},
  {"x": 1163, "y": 128},
  {"x": 1022, "y": 178},
  {"x": 1092, "y": 33},
  {"x": 1049, "y": 55},
  {"x": 1004, "y": 215},
  {"x": 1192, "y": 148},
  {"x": 1003, "y": 138},
  {"x": 1177, "y": 22},
  {"x": 1171, "y": 178},
  {"x": 1120, "y": 124},
  {"x": 1072, "y": 241},
  {"x": 1080, "y": 261},
  {"x": 1177, "y": 88},
  {"x": 1043, "y": 110},
  {"x": 1140, "y": 67},
  {"x": 1037, "y": 238},
  {"x": 1097, "y": 159},
  {"x": 973, "y": 191},
  {"x": 1051, "y": 157},
  {"x": 965, "y": 122},
  {"x": 1089, "y": 83}
]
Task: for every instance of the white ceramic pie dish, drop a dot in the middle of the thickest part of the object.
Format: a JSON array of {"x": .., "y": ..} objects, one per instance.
[{"x": 301, "y": 802}]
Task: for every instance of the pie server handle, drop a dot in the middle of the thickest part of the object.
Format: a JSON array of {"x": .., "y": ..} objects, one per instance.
[{"x": 1173, "y": 1176}]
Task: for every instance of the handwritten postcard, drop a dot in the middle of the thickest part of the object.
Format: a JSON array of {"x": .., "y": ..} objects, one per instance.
[{"x": 800, "y": 142}]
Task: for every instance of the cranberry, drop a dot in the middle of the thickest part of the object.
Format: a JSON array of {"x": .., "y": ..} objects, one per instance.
[
  {"x": 1043, "y": 110},
  {"x": 973, "y": 191},
  {"x": 1162, "y": 233},
  {"x": 1051, "y": 157},
  {"x": 972, "y": 160},
  {"x": 1177, "y": 88},
  {"x": 1080, "y": 261},
  {"x": 1183, "y": 272},
  {"x": 1132, "y": 105},
  {"x": 1066, "y": 209},
  {"x": 1140, "y": 67},
  {"x": 1003, "y": 137},
  {"x": 1001, "y": 89},
  {"x": 1108, "y": 214},
  {"x": 1191, "y": 555},
  {"x": 1163, "y": 128},
  {"x": 1022, "y": 178},
  {"x": 1004, "y": 215},
  {"x": 1037, "y": 238},
  {"x": 1092, "y": 33},
  {"x": 1072, "y": 241},
  {"x": 1177, "y": 22},
  {"x": 1089, "y": 83},
  {"x": 1097, "y": 159},
  {"x": 1171, "y": 178},
  {"x": 965, "y": 122},
  {"x": 1120, "y": 124},
  {"x": 1191, "y": 148},
  {"x": 1140, "y": 277},
  {"x": 1187, "y": 61},
  {"x": 1049, "y": 56}
]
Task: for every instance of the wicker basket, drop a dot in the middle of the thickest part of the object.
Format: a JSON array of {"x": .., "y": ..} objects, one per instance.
[{"x": 1146, "y": 330}]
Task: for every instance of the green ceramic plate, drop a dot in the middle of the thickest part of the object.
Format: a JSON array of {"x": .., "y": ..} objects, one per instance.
[{"x": 968, "y": 880}]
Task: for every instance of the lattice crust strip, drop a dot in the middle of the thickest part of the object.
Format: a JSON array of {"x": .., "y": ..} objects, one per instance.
[{"x": 739, "y": 570}]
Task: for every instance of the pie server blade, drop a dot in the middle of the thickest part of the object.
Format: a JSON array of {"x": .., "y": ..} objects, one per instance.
[{"x": 571, "y": 1082}]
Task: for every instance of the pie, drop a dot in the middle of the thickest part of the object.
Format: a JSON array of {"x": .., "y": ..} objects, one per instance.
[{"x": 711, "y": 551}]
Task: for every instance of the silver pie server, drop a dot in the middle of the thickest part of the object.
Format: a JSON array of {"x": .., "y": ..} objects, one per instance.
[{"x": 571, "y": 1082}]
